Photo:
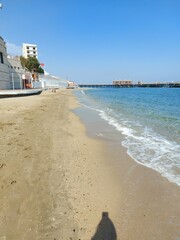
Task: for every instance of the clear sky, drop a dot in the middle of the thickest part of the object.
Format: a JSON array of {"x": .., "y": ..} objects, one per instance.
[{"x": 98, "y": 41}]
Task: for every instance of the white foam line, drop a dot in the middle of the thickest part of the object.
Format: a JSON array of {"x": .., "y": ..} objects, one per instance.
[
  {"x": 148, "y": 149},
  {"x": 157, "y": 146}
]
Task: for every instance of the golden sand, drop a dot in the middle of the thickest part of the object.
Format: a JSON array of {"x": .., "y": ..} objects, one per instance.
[{"x": 57, "y": 183}]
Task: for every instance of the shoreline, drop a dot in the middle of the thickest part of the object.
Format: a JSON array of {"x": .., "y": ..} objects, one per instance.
[
  {"x": 148, "y": 141},
  {"x": 137, "y": 180},
  {"x": 58, "y": 183}
]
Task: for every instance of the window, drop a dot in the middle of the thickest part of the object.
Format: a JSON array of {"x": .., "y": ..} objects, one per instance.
[{"x": 1, "y": 58}]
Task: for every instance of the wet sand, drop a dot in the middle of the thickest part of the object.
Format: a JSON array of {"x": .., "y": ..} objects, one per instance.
[{"x": 58, "y": 183}]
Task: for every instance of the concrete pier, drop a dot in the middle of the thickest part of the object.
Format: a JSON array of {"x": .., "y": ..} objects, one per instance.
[{"x": 142, "y": 85}]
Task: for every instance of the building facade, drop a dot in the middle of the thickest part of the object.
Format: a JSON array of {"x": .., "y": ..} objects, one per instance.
[
  {"x": 16, "y": 72},
  {"x": 5, "y": 82},
  {"x": 29, "y": 50},
  {"x": 122, "y": 82},
  {"x": 12, "y": 75}
]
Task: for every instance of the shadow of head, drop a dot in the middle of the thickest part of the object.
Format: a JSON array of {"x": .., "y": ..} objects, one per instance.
[{"x": 105, "y": 229}]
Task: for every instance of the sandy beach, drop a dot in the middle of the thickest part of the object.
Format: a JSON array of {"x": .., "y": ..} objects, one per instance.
[{"x": 58, "y": 183}]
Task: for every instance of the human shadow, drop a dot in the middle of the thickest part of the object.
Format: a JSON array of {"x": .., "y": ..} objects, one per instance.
[{"x": 105, "y": 229}]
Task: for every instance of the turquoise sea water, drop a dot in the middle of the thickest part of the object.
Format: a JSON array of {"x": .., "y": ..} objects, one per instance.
[{"x": 149, "y": 119}]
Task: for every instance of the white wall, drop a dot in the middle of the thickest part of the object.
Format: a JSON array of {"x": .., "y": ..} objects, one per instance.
[
  {"x": 5, "y": 82},
  {"x": 15, "y": 73},
  {"x": 49, "y": 82}
]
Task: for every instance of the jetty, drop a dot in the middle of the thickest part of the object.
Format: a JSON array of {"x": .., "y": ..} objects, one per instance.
[{"x": 142, "y": 85}]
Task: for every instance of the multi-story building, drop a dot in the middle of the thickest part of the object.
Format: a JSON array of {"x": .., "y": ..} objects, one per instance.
[
  {"x": 12, "y": 75},
  {"x": 29, "y": 50}
]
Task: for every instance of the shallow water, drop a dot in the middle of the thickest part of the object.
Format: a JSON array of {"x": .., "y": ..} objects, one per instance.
[{"x": 149, "y": 119}]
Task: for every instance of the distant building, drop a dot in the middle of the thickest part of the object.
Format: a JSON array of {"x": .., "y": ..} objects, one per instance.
[
  {"x": 5, "y": 82},
  {"x": 122, "y": 82},
  {"x": 71, "y": 85},
  {"x": 29, "y": 50}
]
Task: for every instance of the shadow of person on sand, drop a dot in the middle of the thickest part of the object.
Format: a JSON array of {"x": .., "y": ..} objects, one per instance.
[{"x": 105, "y": 229}]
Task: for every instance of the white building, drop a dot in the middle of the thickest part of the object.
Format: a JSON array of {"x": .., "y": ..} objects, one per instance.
[
  {"x": 5, "y": 82},
  {"x": 49, "y": 82},
  {"x": 29, "y": 50}
]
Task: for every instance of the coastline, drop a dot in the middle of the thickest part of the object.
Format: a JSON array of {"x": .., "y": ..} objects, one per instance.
[
  {"x": 57, "y": 182},
  {"x": 149, "y": 203}
]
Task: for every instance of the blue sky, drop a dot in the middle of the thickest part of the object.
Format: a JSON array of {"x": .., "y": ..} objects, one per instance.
[{"x": 98, "y": 41}]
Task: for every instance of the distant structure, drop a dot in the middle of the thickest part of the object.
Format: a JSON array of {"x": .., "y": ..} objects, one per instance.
[
  {"x": 71, "y": 85},
  {"x": 122, "y": 82},
  {"x": 29, "y": 50}
]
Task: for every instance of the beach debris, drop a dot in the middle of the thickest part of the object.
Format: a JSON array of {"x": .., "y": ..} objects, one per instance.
[
  {"x": 2, "y": 165},
  {"x": 12, "y": 182}
]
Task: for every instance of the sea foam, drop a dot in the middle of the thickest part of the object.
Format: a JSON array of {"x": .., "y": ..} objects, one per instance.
[
  {"x": 133, "y": 118},
  {"x": 148, "y": 148}
]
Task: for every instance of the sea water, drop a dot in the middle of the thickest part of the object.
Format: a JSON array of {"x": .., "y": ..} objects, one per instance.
[{"x": 149, "y": 119}]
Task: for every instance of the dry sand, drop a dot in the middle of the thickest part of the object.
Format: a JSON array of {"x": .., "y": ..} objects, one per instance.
[{"x": 57, "y": 183}]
